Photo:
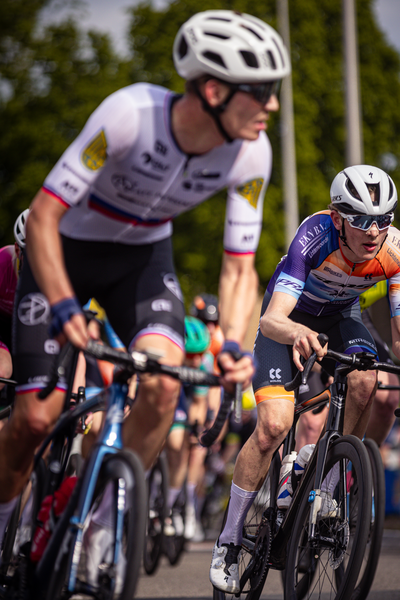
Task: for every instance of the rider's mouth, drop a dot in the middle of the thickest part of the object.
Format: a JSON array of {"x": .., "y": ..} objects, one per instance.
[{"x": 370, "y": 247}]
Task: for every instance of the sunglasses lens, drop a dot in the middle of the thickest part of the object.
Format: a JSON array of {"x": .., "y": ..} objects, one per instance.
[
  {"x": 264, "y": 91},
  {"x": 261, "y": 92},
  {"x": 384, "y": 221},
  {"x": 365, "y": 222}
]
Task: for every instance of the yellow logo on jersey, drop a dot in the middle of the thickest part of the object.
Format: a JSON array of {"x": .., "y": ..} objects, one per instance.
[
  {"x": 251, "y": 191},
  {"x": 95, "y": 154}
]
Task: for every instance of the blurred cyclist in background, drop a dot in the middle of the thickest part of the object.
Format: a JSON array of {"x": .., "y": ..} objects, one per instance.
[{"x": 11, "y": 258}]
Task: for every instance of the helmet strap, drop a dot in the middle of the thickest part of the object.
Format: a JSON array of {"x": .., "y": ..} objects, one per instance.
[
  {"x": 216, "y": 111},
  {"x": 342, "y": 236}
]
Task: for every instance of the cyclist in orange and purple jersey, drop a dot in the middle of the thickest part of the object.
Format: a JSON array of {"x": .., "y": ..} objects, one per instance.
[{"x": 335, "y": 256}]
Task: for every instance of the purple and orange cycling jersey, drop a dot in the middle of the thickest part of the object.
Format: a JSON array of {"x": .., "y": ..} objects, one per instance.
[{"x": 324, "y": 281}]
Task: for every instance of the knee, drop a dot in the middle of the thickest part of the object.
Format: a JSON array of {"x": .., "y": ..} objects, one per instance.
[
  {"x": 162, "y": 393},
  {"x": 272, "y": 431},
  {"x": 386, "y": 401},
  {"x": 310, "y": 427},
  {"x": 31, "y": 427},
  {"x": 362, "y": 387}
]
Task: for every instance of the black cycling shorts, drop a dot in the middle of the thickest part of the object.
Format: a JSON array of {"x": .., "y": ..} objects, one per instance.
[
  {"x": 136, "y": 286},
  {"x": 346, "y": 333}
]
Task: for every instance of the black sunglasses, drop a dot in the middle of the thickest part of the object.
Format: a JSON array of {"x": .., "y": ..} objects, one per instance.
[{"x": 261, "y": 92}]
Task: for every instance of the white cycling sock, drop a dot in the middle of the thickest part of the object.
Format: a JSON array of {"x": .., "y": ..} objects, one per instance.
[
  {"x": 173, "y": 493},
  {"x": 103, "y": 514},
  {"x": 191, "y": 494},
  {"x": 331, "y": 479},
  {"x": 6, "y": 509},
  {"x": 239, "y": 504},
  {"x": 27, "y": 512}
]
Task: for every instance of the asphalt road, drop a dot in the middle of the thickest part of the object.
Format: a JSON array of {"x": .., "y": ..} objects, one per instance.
[{"x": 189, "y": 579}]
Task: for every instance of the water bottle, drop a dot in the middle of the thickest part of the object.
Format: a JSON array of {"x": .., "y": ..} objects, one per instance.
[
  {"x": 300, "y": 463},
  {"x": 285, "y": 491}
]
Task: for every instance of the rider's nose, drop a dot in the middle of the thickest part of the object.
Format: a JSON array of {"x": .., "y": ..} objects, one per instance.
[{"x": 373, "y": 230}]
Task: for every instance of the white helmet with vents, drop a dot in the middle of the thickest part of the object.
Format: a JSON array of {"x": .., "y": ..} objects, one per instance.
[
  {"x": 351, "y": 191},
  {"x": 19, "y": 228},
  {"x": 231, "y": 46}
]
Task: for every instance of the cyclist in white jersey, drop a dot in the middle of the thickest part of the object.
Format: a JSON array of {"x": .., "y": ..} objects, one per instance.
[{"x": 101, "y": 226}]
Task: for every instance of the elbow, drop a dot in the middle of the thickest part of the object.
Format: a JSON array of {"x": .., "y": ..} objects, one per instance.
[{"x": 265, "y": 322}]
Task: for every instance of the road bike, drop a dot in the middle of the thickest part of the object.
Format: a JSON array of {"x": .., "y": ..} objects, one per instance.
[
  {"x": 319, "y": 554},
  {"x": 61, "y": 570}
]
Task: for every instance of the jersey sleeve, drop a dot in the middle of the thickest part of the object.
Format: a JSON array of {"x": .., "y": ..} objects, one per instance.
[
  {"x": 306, "y": 251},
  {"x": 108, "y": 133},
  {"x": 390, "y": 259},
  {"x": 394, "y": 295},
  {"x": 248, "y": 181}
]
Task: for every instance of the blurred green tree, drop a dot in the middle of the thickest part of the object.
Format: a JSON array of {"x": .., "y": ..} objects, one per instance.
[{"x": 49, "y": 85}]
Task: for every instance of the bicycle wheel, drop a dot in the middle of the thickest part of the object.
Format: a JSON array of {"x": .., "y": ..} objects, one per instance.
[
  {"x": 372, "y": 552},
  {"x": 175, "y": 544},
  {"x": 329, "y": 565},
  {"x": 157, "y": 512},
  {"x": 124, "y": 473}
]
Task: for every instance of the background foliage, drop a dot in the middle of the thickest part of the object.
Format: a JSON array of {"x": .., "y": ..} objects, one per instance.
[{"x": 49, "y": 84}]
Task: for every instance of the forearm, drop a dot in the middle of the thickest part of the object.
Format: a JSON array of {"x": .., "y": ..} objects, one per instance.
[
  {"x": 237, "y": 296},
  {"x": 280, "y": 328}
]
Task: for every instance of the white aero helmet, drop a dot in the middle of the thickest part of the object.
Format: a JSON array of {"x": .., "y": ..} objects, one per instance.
[
  {"x": 231, "y": 46},
  {"x": 350, "y": 191},
  {"x": 19, "y": 228}
]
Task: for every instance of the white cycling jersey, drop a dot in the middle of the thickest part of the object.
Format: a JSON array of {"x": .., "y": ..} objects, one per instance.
[{"x": 124, "y": 177}]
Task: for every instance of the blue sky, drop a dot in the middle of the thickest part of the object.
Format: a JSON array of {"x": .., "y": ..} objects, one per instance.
[{"x": 110, "y": 16}]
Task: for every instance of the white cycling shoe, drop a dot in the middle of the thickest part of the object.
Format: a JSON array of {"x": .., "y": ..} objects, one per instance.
[
  {"x": 224, "y": 571},
  {"x": 190, "y": 522},
  {"x": 98, "y": 543}
]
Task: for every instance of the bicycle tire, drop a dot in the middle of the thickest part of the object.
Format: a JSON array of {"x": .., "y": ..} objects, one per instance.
[
  {"x": 175, "y": 544},
  {"x": 331, "y": 566},
  {"x": 373, "y": 549},
  {"x": 126, "y": 466},
  {"x": 157, "y": 512}
]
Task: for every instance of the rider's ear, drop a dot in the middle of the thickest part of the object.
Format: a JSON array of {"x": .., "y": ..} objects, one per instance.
[
  {"x": 215, "y": 92},
  {"x": 337, "y": 220}
]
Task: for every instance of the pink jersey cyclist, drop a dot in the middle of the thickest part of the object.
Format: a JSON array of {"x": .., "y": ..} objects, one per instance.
[
  {"x": 8, "y": 279},
  {"x": 10, "y": 262}
]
